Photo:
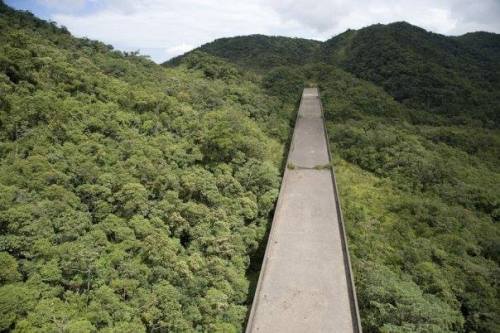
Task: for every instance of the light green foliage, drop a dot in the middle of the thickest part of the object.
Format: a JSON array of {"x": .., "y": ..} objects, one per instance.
[
  {"x": 8, "y": 268},
  {"x": 132, "y": 196}
]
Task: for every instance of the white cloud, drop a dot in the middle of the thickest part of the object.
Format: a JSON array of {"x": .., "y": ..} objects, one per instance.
[
  {"x": 330, "y": 17},
  {"x": 144, "y": 24},
  {"x": 178, "y": 49},
  {"x": 476, "y": 15},
  {"x": 170, "y": 27}
]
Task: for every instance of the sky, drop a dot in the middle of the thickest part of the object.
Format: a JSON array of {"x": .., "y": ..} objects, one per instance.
[{"x": 163, "y": 29}]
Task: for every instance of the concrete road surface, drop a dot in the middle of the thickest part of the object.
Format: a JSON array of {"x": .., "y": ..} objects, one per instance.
[{"x": 304, "y": 284}]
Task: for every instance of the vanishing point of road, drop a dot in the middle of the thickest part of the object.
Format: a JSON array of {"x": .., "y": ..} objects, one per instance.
[{"x": 305, "y": 284}]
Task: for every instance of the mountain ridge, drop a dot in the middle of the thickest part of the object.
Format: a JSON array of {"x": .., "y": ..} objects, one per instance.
[
  {"x": 397, "y": 24},
  {"x": 407, "y": 61}
]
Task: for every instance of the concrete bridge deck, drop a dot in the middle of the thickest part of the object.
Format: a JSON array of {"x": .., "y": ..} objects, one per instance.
[{"x": 305, "y": 284}]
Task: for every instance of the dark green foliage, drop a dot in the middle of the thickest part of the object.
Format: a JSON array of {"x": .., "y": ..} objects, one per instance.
[
  {"x": 457, "y": 77},
  {"x": 212, "y": 67},
  {"x": 485, "y": 42},
  {"x": 132, "y": 196},
  {"x": 258, "y": 52},
  {"x": 284, "y": 82}
]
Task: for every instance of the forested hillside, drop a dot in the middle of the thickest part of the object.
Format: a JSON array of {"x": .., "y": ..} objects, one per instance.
[
  {"x": 455, "y": 76},
  {"x": 132, "y": 196},
  {"x": 136, "y": 197},
  {"x": 413, "y": 119},
  {"x": 260, "y": 53},
  {"x": 458, "y": 77}
]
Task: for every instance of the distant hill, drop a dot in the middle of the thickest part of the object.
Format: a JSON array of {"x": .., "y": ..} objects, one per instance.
[
  {"x": 453, "y": 76},
  {"x": 449, "y": 75},
  {"x": 486, "y": 42},
  {"x": 259, "y": 52}
]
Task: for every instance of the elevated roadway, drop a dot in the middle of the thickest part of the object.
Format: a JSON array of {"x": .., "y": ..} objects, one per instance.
[{"x": 305, "y": 284}]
